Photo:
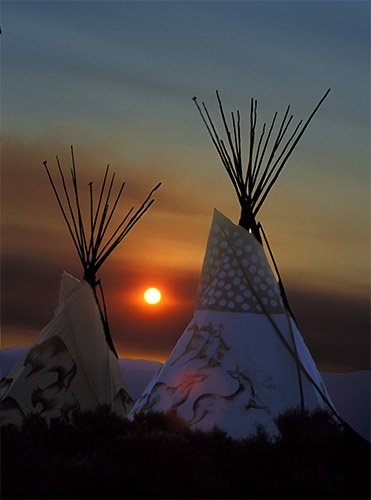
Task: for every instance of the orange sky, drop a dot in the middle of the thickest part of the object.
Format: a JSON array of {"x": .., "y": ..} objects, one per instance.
[
  {"x": 166, "y": 249},
  {"x": 123, "y": 96}
]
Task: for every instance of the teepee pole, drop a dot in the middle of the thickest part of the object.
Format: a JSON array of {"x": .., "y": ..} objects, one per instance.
[
  {"x": 288, "y": 154},
  {"x": 290, "y": 349},
  {"x": 100, "y": 259},
  {"x": 68, "y": 199},
  {"x": 74, "y": 237},
  {"x": 104, "y": 317},
  {"x": 288, "y": 312},
  {"x": 276, "y": 144},
  {"x": 270, "y": 170},
  {"x": 114, "y": 242},
  {"x": 106, "y": 223},
  {"x": 267, "y": 139},
  {"x": 253, "y": 117},
  {"x": 91, "y": 219},
  {"x": 236, "y": 162},
  {"x": 92, "y": 250}
]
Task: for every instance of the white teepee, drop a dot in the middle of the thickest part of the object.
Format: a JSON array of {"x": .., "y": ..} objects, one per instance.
[
  {"x": 69, "y": 367},
  {"x": 73, "y": 365},
  {"x": 241, "y": 361}
]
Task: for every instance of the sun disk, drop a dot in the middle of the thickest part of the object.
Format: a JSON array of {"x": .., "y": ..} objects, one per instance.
[{"x": 152, "y": 296}]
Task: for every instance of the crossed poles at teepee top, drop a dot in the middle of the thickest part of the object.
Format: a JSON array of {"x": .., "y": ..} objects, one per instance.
[
  {"x": 266, "y": 157},
  {"x": 94, "y": 245}
]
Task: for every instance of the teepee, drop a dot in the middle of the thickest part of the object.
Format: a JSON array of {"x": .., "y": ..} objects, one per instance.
[
  {"x": 241, "y": 360},
  {"x": 72, "y": 364}
]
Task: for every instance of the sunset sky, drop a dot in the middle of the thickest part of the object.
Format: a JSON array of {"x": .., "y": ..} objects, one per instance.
[{"x": 116, "y": 79}]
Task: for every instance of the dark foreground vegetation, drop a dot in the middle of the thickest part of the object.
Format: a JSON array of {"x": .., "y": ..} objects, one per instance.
[{"x": 100, "y": 455}]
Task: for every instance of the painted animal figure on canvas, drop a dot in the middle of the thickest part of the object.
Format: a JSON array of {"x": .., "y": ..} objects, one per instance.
[
  {"x": 194, "y": 344},
  {"x": 173, "y": 397},
  {"x": 243, "y": 397}
]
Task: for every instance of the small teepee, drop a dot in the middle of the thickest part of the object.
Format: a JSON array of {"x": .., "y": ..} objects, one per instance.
[
  {"x": 241, "y": 360},
  {"x": 72, "y": 365}
]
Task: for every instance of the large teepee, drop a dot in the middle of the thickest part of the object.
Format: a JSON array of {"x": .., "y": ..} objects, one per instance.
[
  {"x": 241, "y": 360},
  {"x": 72, "y": 365}
]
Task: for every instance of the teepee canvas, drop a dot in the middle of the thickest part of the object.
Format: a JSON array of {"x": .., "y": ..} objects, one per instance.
[
  {"x": 241, "y": 360},
  {"x": 73, "y": 364},
  {"x": 69, "y": 367}
]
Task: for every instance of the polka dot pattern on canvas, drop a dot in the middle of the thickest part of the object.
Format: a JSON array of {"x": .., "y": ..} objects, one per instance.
[{"x": 236, "y": 275}]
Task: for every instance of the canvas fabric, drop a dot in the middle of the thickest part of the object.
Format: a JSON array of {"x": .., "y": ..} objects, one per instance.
[
  {"x": 235, "y": 366},
  {"x": 69, "y": 367}
]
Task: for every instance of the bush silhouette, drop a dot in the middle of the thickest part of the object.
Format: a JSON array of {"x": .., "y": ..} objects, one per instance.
[{"x": 101, "y": 455}]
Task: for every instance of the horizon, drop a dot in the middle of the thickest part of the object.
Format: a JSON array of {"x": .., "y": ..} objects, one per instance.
[{"x": 116, "y": 81}]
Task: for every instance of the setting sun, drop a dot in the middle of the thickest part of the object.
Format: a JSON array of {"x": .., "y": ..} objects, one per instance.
[{"x": 152, "y": 296}]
